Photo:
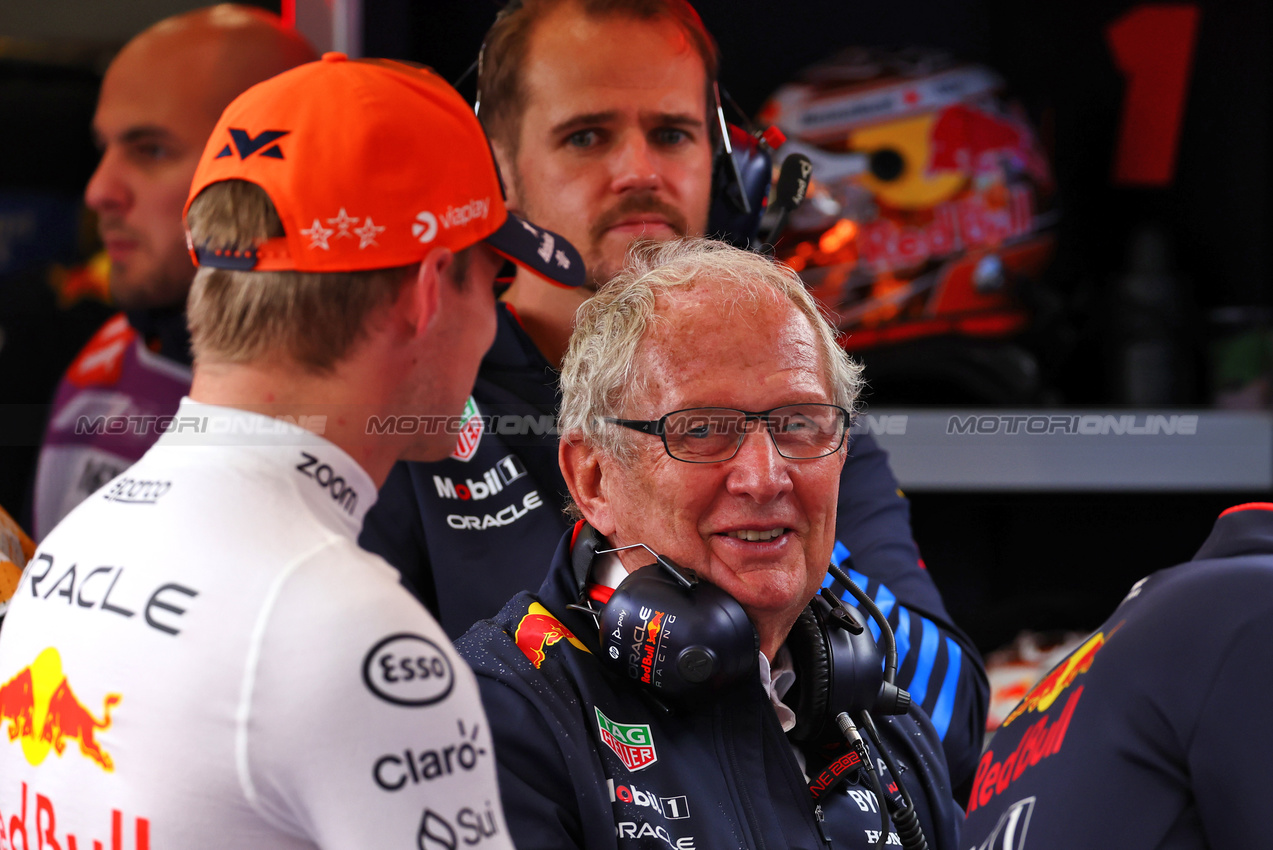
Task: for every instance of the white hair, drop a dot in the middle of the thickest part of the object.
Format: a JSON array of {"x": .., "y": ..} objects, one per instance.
[{"x": 599, "y": 376}]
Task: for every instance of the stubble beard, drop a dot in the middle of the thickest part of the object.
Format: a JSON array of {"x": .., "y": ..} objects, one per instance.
[{"x": 601, "y": 269}]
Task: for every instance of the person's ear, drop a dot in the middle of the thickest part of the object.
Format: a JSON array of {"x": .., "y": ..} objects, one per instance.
[
  {"x": 420, "y": 296},
  {"x": 505, "y": 164},
  {"x": 584, "y": 466}
]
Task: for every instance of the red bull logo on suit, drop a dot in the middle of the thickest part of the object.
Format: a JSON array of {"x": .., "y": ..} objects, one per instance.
[
  {"x": 44, "y": 713},
  {"x": 539, "y": 630},
  {"x": 1047, "y": 691}
]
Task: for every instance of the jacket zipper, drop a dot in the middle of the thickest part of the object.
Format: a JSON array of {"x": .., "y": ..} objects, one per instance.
[
  {"x": 820, "y": 820},
  {"x": 739, "y": 783}
]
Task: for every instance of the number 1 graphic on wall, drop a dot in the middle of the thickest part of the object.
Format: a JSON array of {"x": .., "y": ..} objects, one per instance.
[{"x": 1152, "y": 46}]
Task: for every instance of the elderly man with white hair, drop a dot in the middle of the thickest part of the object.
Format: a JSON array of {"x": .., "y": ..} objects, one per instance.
[{"x": 676, "y": 680}]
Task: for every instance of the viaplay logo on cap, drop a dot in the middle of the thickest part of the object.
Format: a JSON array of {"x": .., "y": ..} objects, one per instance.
[
  {"x": 425, "y": 227},
  {"x": 246, "y": 145}
]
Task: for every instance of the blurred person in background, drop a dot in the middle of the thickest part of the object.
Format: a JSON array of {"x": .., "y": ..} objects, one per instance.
[{"x": 159, "y": 100}]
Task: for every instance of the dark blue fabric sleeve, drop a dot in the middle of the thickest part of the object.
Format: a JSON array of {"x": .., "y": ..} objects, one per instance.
[
  {"x": 393, "y": 530},
  {"x": 937, "y": 663},
  {"x": 535, "y": 785},
  {"x": 1231, "y": 747}
]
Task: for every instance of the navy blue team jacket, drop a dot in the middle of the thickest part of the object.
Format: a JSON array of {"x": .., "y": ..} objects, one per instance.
[
  {"x": 1155, "y": 733},
  {"x": 469, "y": 534},
  {"x": 585, "y": 761}
]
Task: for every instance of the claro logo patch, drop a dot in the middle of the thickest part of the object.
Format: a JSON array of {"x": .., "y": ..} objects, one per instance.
[{"x": 407, "y": 669}]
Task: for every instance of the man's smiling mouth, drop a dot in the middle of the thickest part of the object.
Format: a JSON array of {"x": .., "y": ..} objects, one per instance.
[{"x": 755, "y": 536}]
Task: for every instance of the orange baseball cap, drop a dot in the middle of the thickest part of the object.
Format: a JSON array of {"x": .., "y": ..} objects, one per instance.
[{"x": 371, "y": 164}]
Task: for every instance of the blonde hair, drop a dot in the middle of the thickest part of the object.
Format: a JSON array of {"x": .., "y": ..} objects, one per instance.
[
  {"x": 599, "y": 375},
  {"x": 310, "y": 318}
]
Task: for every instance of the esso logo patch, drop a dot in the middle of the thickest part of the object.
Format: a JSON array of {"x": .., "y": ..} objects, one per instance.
[{"x": 407, "y": 669}]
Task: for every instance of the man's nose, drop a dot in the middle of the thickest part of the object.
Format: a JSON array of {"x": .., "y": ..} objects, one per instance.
[
  {"x": 635, "y": 166},
  {"x": 758, "y": 470},
  {"x": 107, "y": 190}
]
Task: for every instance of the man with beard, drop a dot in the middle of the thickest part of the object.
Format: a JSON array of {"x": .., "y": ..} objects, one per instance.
[{"x": 602, "y": 117}]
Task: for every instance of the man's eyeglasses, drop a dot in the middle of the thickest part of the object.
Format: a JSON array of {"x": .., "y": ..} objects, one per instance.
[{"x": 714, "y": 434}]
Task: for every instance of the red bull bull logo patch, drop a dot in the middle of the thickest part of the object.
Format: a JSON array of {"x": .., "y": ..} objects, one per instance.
[
  {"x": 1045, "y": 736},
  {"x": 631, "y": 742},
  {"x": 538, "y": 630},
  {"x": 1047, "y": 691},
  {"x": 44, "y": 714}
]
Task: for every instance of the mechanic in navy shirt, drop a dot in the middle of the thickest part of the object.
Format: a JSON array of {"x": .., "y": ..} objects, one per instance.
[
  {"x": 601, "y": 118},
  {"x": 1155, "y": 732}
]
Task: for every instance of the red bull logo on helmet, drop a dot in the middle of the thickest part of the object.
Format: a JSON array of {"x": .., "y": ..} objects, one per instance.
[
  {"x": 43, "y": 713},
  {"x": 1051, "y": 687},
  {"x": 538, "y": 630}
]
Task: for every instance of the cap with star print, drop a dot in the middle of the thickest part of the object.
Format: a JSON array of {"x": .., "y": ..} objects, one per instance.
[{"x": 370, "y": 164}]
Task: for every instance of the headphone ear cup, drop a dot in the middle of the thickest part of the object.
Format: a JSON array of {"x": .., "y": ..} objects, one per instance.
[
  {"x": 842, "y": 667},
  {"x": 730, "y": 219},
  {"x": 678, "y": 642},
  {"x": 811, "y": 658}
]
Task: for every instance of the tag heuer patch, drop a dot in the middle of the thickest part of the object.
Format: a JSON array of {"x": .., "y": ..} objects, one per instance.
[
  {"x": 632, "y": 743},
  {"x": 470, "y": 432}
]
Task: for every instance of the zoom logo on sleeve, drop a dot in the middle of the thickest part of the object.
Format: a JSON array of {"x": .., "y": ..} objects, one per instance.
[
  {"x": 342, "y": 492},
  {"x": 407, "y": 669}
]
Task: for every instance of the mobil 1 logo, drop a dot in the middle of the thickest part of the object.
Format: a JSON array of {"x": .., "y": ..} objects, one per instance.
[{"x": 492, "y": 481}]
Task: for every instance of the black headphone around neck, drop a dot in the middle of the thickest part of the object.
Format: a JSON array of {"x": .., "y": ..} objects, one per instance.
[
  {"x": 682, "y": 639},
  {"x": 679, "y": 640}
]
